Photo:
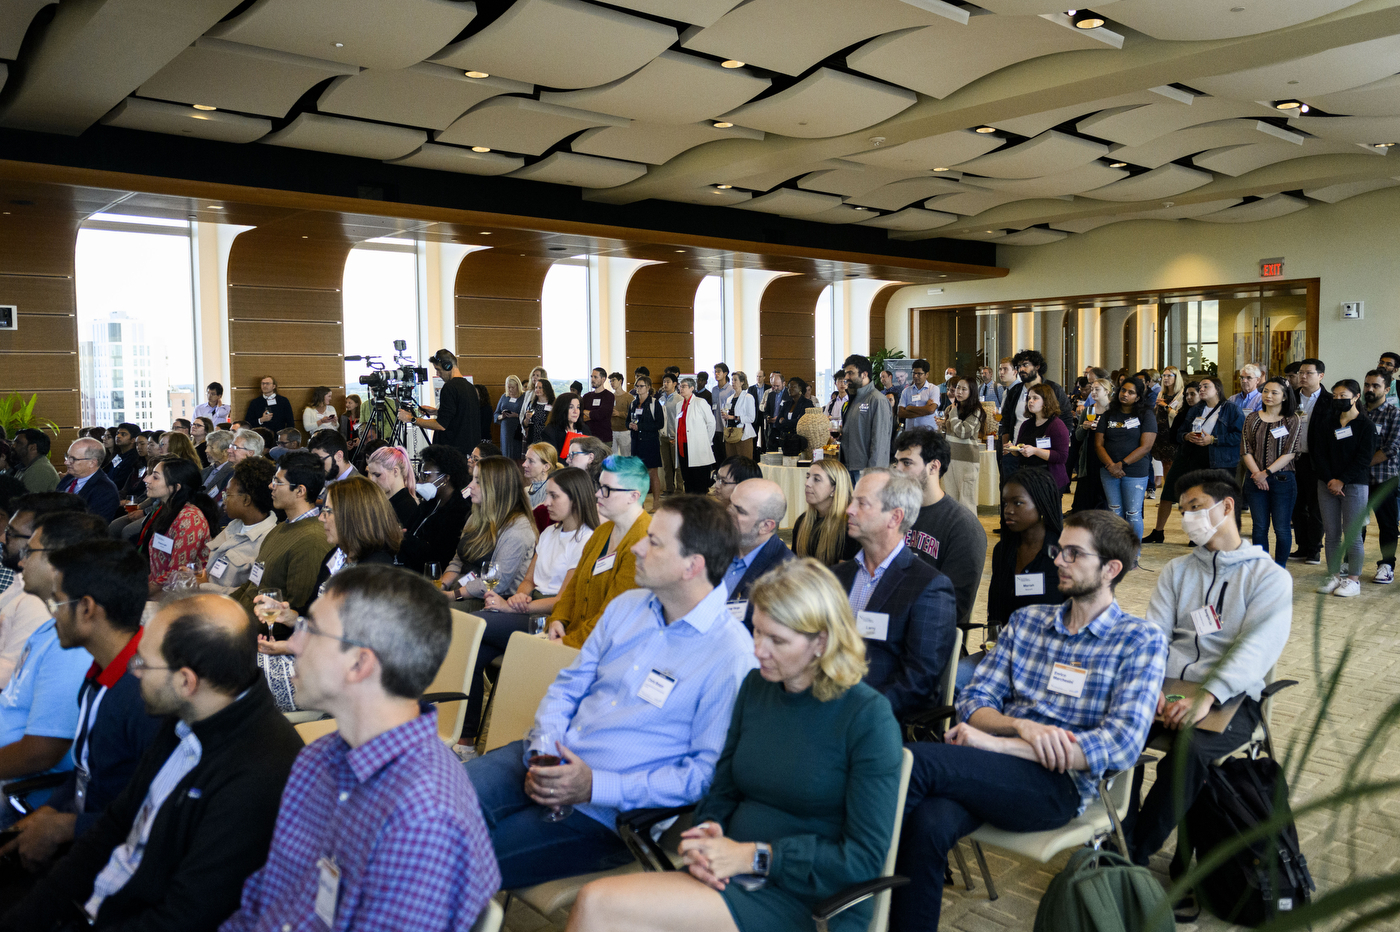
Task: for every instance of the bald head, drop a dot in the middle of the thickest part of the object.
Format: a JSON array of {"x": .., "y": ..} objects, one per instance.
[
  {"x": 758, "y": 506},
  {"x": 85, "y": 457},
  {"x": 212, "y": 637}
]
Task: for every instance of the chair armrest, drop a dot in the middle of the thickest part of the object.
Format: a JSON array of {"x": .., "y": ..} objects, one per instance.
[
  {"x": 46, "y": 781},
  {"x": 435, "y": 698},
  {"x": 634, "y": 827},
  {"x": 929, "y": 715},
  {"x": 833, "y": 905},
  {"x": 1276, "y": 686}
]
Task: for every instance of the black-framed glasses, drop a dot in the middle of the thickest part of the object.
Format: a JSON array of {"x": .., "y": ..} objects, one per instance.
[
  {"x": 26, "y": 550},
  {"x": 606, "y": 490},
  {"x": 304, "y": 626},
  {"x": 11, "y": 532},
  {"x": 1070, "y": 553},
  {"x": 723, "y": 480}
]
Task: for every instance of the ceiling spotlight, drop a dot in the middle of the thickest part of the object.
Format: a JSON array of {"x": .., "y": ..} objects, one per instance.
[
  {"x": 940, "y": 169},
  {"x": 1118, "y": 165},
  {"x": 204, "y": 107},
  {"x": 215, "y": 207},
  {"x": 724, "y": 187},
  {"x": 339, "y": 45},
  {"x": 1288, "y": 104},
  {"x": 484, "y": 233},
  {"x": 481, "y": 148},
  {"x": 722, "y": 124},
  {"x": 985, "y": 129},
  {"x": 1382, "y": 145},
  {"x": 477, "y": 74},
  {"x": 680, "y": 250},
  {"x": 862, "y": 208},
  {"x": 731, "y": 64},
  {"x": 1087, "y": 19}
]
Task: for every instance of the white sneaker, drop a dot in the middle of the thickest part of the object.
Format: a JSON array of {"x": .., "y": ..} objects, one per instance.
[
  {"x": 1348, "y": 589},
  {"x": 1384, "y": 575},
  {"x": 1329, "y": 585}
]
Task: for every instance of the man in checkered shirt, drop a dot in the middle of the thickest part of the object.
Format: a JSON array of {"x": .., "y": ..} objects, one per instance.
[{"x": 1068, "y": 693}]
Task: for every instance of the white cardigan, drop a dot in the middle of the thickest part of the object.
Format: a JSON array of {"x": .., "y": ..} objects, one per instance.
[
  {"x": 742, "y": 405},
  {"x": 699, "y": 432}
]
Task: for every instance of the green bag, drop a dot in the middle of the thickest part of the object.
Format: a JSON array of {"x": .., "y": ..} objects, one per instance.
[{"x": 1099, "y": 891}]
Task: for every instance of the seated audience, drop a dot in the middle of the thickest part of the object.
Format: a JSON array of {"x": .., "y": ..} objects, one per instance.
[
  {"x": 407, "y": 847},
  {"x": 1023, "y": 572},
  {"x": 98, "y": 591},
  {"x": 431, "y": 537},
  {"x": 291, "y": 553},
  {"x": 158, "y": 858},
  {"x": 334, "y": 454},
  {"x": 905, "y": 609},
  {"x": 175, "y": 444},
  {"x": 541, "y": 461},
  {"x": 945, "y": 533},
  {"x": 288, "y": 439},
  {"x": 30, "y": 460},
  {"x": 588, "y": 453},
  {"x": 1030, "y": 747},
  {"x": 500, "y": 533},
  {"x": 22, "y": 613},
  {"x": 607, "y": 566},
  {"x": 269, "y": 440},
  {"x": 730, "y": 473},
  {"x": 248, "y": 503},
  {"x": 319, "y": 415},
  {"x": 174, "y": 536},
  {"x": 220, "y": 468},
  {"x": 391, "y": 471},
  {"x": 200, "y": 429},
  {"x": 125, "y": 456},
  {"x": 820, "y": 531},
  {"x": 1043, "y": 440},
  {"x": 695, "y": 656},
  {"x": 86, "y": 478},
  {"x": 805, "y": 703},
  {"x": 1250, "y": 599},
  {"x": 758, "y": 507}
]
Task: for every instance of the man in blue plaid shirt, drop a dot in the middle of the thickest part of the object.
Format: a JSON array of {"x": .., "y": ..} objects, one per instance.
[
  {"x": 1385, "y": 466},
  {"x": 1068, "y": 693}
]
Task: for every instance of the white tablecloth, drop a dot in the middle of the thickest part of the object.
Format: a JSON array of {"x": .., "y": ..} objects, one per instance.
[
  {"x": 792, "y": 479},
  {"x": 988, "y": 479}
]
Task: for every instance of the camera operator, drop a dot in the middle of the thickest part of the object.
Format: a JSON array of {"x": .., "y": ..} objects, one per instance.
[{"x": 457, "y": 419}]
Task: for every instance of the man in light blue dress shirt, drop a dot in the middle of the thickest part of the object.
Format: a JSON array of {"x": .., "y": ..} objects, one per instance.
[{"x": 639, "y": 718}]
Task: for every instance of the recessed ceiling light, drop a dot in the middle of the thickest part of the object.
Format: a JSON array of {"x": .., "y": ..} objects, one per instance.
[
  {"x": 1087, "y": 19},
  {"x": 724, "y": 187},
  {"x": 1288, "y": 104},
  {"x": 306, "y": 237},
  {"x": 722, "y": 124},
  {"x": 481, "y": 148},
  {"x": 1383, "y": 145},
  {"x": 204, "y": 107},
  {"x": 942, "y": 276},
  {"x": 484, "y": 233},
  {"x": 339, "y": 45},
  {"x": 215, "y": 207},
  {"x": 1118, "y": 165},
  {"x": 731, "y": 64},
  {"x": 862, "y": 208},
  {"x": 940, "y": 169},
  {"x": 986, "y": 129},
  {"x": 680, "y": 250},
  {"x": 477, "y": 74}
]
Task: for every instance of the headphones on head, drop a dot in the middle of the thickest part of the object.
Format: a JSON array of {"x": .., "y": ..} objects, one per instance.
[{"x": 444, "y": 360}]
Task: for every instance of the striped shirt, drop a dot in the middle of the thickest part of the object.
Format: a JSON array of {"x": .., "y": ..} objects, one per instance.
[
  {"x": 643, "y": 755},
  {"x": 1126, "y": 658},
  {"x": 864, "y": 585},
  {"x": 1259, "y": 442},
  {"x": 1386, "y": 419}
]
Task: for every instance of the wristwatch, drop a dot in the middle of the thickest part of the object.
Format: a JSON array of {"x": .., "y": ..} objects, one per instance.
[{"x": 762, "y": 859}]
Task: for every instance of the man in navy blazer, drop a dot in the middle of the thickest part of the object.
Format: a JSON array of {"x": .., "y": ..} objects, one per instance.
[
  {"x": 905, "y": 609},
  {"x": 86, "y": 478},
  {"x": 758, "y": 507}
]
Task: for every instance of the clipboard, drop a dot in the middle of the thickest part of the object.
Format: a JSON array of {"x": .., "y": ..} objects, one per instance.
[{"x": 1217, "y": 719}]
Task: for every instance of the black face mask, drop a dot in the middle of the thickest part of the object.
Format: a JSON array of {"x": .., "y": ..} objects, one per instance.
[
  {"x": 1027, "y": 377},
  {"x": 1371, "y": 397}
]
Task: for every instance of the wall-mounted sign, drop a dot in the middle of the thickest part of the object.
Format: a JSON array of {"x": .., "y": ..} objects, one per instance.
[
  {"x": 9, "y": 317},
  {"x": 1271, "y": 268}
]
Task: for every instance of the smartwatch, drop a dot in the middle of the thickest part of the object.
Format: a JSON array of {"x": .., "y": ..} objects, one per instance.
[{"x": 762, "y": 859}]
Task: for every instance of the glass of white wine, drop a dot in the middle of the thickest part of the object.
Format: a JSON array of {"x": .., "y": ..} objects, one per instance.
[
  {"x": 268, "y": 606},
  {"x": 491, "y": 576}
]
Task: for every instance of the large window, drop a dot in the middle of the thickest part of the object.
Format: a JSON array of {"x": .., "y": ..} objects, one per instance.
[
  {"x": 1191, "y": 337},
  {"x": 136, "y": 348},
  {"x": 380, "y": 300},
  {"x": 827, "y": 363},
  {"x": 564, "y": 324},
  {"x": 709, "y": 324}
]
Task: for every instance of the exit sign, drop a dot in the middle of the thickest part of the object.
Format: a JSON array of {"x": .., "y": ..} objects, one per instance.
[{"x": 1271, "y": 268}]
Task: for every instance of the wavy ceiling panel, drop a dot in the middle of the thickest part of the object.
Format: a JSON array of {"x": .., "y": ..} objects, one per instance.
[
  {"x": 15, "y": 17},
  {"x": 1138, "y": 125},
  {"x": 789, "y": 202},
  {"x": 1167, "y": 181},
  {"x": 932, "y": 151},
  {"x": 583, "y": 171},
  {"x": 912, "y": 219},
  {"x": 156, "y": 116},
  {"x": 1184, "y": 142},
  {"x": 519, "y": 124},
  {"x": 1084, "y": 178},
  {"x": 672, "y": 88},
  {"x": 1336, "y": 69},
  {"x": 1239, "y": 160},
  {"x": 825, "y": 103},
  {"x": 853, "y": 182},
  {"x": 1278, "y": 205},
  {"x": 238, "y": 77},
  {"x": 1186, "y": 20},
  {"x": 902, "y": 193},
  {"x": 425, "y": 94},
  {"x": 1379, "y": 98},
  {"x": 347, "y": 137},
  {"x": 654, "y": 144},
  {"x": 1048, "y": 153},
  {"x": 696, "y": 12}
]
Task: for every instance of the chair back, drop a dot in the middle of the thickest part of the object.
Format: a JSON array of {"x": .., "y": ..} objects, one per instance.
[
  {"x": 310, "y": 731},
  {"x": 948, "y": 682},
  {"x": 528, "y": 670},
  {"x": 454, "y": 676},
  {"x": 880, "y": 919},
  {"x": 490, "y": 919}
]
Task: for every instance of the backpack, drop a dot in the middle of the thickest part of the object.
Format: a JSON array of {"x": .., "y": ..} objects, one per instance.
[
  {"x": 1100, "y": 891},
  {"x": 1269, "y": 876}
]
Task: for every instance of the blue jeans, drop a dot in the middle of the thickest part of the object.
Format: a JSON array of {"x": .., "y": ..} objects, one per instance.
[
  {"x": 1125, "y": 497},
  {"x": 952, "y": 791},
  {"x": 529, "y": 849},
  {"x": 1276, "y": 506}
]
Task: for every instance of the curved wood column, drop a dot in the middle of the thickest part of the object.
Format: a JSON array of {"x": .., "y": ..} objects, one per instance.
[
  {"x": 661, "y": 318},
  {"x": 787, "y": 326}
]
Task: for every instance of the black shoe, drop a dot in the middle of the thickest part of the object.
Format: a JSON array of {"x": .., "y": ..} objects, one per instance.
[
  {"x": 1298, "y": 555},
  {"x": 1156, "y": 537},
  {"x": 1190, "y": 543}
]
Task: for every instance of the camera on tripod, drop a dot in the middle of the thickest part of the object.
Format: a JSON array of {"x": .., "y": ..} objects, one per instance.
[{"x": 399, "y": 381}]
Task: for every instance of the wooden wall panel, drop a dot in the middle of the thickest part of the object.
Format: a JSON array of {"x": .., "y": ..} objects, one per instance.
[
  {"x": 877, "y": 316},
  {"x": 787, "y": 323},
  {"x": 40, "y": 333},
  {"x": 513, "y": 313},
  {"x": 286, "y": 315},
  {"x": 661, "y": 318}
]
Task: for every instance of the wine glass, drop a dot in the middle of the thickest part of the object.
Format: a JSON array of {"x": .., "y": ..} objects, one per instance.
[
  {"x": 491, "y": 576},
  {"x": 268, "y": 606},
  {"x": 542, "y": 750}
]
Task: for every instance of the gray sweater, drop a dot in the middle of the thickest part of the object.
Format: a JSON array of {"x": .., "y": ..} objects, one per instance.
[
  {"x": 866, "y": 434},
  {"x": 1254, "y": 596},
  {"x": 515, "y": 546}
]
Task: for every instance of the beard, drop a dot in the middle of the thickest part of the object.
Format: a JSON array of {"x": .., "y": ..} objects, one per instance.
[
  {"x": 10, "y": 561},
  {"x": 1026, "y": 376},
  {"x": 1076, "y": 590}
]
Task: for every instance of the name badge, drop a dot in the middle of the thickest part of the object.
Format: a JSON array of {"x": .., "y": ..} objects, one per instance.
[
  {"x": 865, "y": 406},
  {"x": 549, "y": 407},
  {"x": 738, "y": 609},
  {"x": 873, "y": 625},
  {"x": 1042, "y": 443},
  {"x": 1132, "y": 422},
  {"x": 596, "y": 402},
  {"x": 790, "y": 414},
  {"x": 1279, "y": 432},
  {"x": 219, "y": 568},
  {"x": 1206, "y": 620},
  {"x": 327, "y": 891},
  {"x": 1030, "y": 583},
  {"x": 255, "y": 575},
  {"x": 1341, "y": 433},
  {"x": 1067, "y": 680},
  {"x": 604, "y": 564},
  {"x": 167, "y": 544},
  {"x": 656, "y": 688},
  {"x": 1197, "y": 424}
]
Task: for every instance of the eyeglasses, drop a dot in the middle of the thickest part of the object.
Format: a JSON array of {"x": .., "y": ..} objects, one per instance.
[
  {"x": 11, "y": 532},
  {"x": 1069, "y": 553},
  {"x": 326, "y": 509},
  {"x": 606, "y": 490},
  {"x": 55, "y": 606},
  {"x": 138, "y": 663},
  {"x": 723, "y": 480},
  {"x": 26, "y": 550},
  {"x": 304, "y": 626},
  {"x": 280, "y": 482}
]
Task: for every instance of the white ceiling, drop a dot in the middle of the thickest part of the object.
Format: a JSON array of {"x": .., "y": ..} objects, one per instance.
[{"x": 842, "y": 110}]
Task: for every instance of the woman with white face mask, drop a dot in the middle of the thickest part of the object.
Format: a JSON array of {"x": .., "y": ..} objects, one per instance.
[
  {"x": 432, "y": 533},
  {"x": 1342, "y": 460}
]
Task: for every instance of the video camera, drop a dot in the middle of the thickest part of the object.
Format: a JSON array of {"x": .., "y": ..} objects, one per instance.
[{"x": 398, "y": 381}]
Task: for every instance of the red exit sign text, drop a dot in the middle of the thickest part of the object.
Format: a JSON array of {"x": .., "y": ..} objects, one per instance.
[{"x": 1271, "y": 268}]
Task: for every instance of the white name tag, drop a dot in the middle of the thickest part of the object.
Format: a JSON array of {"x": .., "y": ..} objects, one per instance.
[
  {"x": 738, "y": 609},
  {"x": 219, "y": 568},
  {"x": 256, "y": 574},
  {"x": 790, "y": 413},
  {"x": 1132, "y": 422},
  {"x": 604, "y": 564},
  {"x": 1342, "y": 433},
  {"x": 656, "y": 688},
  {"x": 167, "y": 544},
  {"x": 1042, "y": 443},
  {"x": 596, "y": 402},
  {"x": 865, "y": 406},
  {"x": 1067, "y": 680},
  {"x": 873, "y": 625},
  {"x": 1030, "y": 583},
  {"x": 1279, "y": 432},
  {"x": 1197, "y": 424},
  {"x": 327, "y": 891},
  {"x": 1206, "y": 620}
]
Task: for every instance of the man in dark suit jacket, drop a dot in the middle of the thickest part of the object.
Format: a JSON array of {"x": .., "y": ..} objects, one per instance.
[
  {"x": 758, "y": 507},
  {"x": 270, "y": 409},
  {"x": 1030, "y": 369},
  {"x": 85, "y": 477},
  {"x": 906, "y": 610}
]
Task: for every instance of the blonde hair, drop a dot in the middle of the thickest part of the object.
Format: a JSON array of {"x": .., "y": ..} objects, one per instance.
[
  {"x": 804, "y": 596},
  {"x": 830, "y": 541},
  {"x": 1177, "y": 381},
  {"x": 1108, "y": 387},
  {"x": 503, "y": 500},
  {"x": 546, "y": 452},
  {"x": 519, "y": 388}
]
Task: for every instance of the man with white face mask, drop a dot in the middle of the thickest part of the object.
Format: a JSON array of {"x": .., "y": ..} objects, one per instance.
[{"x": 1226, "y": 609}]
